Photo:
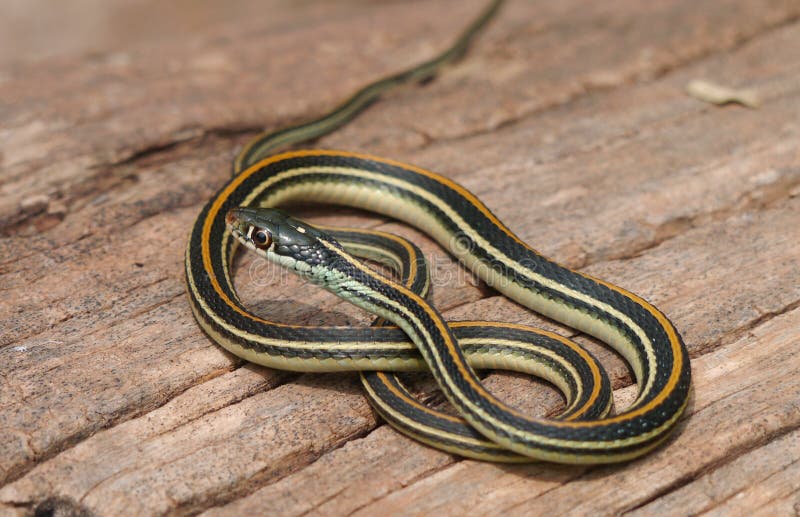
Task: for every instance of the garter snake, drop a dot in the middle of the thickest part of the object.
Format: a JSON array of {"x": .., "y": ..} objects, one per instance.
[{"x": 449, "y": 214}]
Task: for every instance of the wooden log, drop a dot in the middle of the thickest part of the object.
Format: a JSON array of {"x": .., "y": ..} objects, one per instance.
[{"x": 569, "y": 119}]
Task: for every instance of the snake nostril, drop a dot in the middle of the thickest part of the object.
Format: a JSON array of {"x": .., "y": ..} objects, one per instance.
[{"x": 231, "y": 217}]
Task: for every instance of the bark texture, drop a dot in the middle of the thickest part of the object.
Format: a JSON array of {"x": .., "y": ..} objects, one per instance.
[{"x": 569, "y": 119}]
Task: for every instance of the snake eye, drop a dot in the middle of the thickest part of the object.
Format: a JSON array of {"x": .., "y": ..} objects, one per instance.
[{"x": 262, "y": 239}]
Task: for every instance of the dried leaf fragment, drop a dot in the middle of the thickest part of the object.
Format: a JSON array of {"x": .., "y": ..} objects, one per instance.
[{"x": 715, "y": 94}]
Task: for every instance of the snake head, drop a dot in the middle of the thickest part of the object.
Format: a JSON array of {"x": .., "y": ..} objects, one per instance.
[{"x": 279, "y": 237}]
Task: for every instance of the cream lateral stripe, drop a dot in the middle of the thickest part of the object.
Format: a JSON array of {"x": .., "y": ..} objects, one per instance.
[
  {"x": 362, "y": 174},
  {"x": 387, "y": 259}
]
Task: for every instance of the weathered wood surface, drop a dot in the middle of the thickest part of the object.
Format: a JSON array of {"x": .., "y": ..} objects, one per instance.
[{"x": 570, "y": 119}]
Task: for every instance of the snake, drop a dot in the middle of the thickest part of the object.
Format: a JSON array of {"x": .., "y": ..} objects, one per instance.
[{"x": 242, "y": 213}]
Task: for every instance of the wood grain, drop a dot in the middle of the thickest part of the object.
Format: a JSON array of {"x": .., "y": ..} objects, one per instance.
[{"x": 569, "y": 119}]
